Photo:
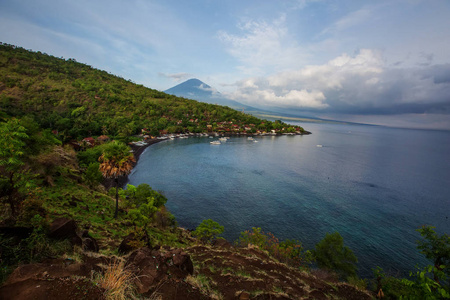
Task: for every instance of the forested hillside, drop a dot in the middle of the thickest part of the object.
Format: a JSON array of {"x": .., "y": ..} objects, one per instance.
[{"x": 77, "y": 100}]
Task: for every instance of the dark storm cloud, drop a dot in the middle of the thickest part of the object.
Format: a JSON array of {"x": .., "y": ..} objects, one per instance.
[{"x": 355, "y": 85}]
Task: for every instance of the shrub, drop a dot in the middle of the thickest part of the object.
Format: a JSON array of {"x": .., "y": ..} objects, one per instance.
[
  {"x": 423, "y": 287},
  {"x": 164, "y": 218},
  {"x": 93, "y": 176},
  {"x": 208, "y": 231},
  {"x": 137, "y": 195},
  {"x": 331, "y": 254}
]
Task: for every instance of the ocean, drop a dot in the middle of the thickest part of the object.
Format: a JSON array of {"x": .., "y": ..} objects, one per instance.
[{"x": 374, "y": 185}]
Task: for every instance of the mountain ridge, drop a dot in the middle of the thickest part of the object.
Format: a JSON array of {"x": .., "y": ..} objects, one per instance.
[{"x": 198, "y": 90}]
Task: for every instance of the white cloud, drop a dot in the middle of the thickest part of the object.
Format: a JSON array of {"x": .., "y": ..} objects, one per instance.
[
  {"x": 262, "y": 46},
  {"x": 250, "y": 93},
  {"x": 360, "y": 84},
  {"x": 207, "y": 88}
]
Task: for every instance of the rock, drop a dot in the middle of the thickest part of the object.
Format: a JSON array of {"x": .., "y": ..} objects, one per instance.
[
  {"x": 183, "y": 262},
  {"x": 89, "y": 243},
  {"x": 50, "y": 280},
  {"x": 152, "y": 267},
  {"x": 222, "y": 243},
  {"x": 244, "y": 296},
  {"x": 130, "y": 243},
  {"x": 64, "y": 228}
]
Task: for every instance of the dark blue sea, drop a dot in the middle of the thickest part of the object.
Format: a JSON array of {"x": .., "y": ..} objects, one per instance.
[{"x": 374, "y": 185}]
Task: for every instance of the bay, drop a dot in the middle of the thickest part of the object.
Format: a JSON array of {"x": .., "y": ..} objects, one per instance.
[{"x": 374, "y": 185}]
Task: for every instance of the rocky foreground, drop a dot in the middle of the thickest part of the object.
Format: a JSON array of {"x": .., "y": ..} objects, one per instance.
[{"x": 220, "y": 271}]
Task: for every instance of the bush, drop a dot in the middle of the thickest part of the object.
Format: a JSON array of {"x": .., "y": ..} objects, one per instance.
[
  {"x": 135, "y": 196},
  {"x": 143, "y": 215},
  {"x": 208, "y": 231},
  {"x": 331, "y": 254},
  {"x": 164, "y": 218},
  {"x": 93, "y": 176}
]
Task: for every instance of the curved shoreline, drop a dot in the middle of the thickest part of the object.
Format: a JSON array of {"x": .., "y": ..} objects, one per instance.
[{"x": 138, "y": 150}]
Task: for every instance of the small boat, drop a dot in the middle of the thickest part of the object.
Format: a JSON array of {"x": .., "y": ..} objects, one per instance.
[
  {"x": 319, "y": 146},
  {"x": 215, "y": 143},
  {"x": 223, "y": 139},
  {"x": 250, "y": 138}
]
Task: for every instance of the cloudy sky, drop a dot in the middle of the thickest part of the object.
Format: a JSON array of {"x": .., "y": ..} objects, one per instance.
[{"x": 379, "y": 62}]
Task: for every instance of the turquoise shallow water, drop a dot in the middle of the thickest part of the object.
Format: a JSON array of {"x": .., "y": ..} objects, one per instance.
[{"x": 374, "y": 185}]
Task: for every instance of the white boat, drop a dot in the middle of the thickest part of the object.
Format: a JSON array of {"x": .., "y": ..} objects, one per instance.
[
  {"x": 215, "y": 143},
  {"x": 250, "y": 138},
  {"x": 319, "y": 146},
  {"x": 223, "y": 139}
]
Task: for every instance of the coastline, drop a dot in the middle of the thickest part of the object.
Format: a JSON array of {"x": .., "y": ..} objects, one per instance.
[{"x": 139, "y": 149}]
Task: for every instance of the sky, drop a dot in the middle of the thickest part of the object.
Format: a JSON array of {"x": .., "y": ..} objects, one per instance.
[{"x": 377, "y": 62}]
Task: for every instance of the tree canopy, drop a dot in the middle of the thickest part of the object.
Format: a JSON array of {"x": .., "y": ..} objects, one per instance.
[
  {"x": 330, "y": 253},
  {"x": 116, "y": 161}
]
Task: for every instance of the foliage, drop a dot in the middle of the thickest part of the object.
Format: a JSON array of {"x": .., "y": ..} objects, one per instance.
[
  {"x": 12, "y": 147},
  {"x": 135, "y": 196},
  {"x": 389, "y": 287},
  {"x": 331, "y": 254},
  {"x": 208, "y": 230},
  {"x": 89, "y": 155},
  {"x": 288, "y": 251},
  {"x": 163, "y": 218},
  {"x": 31, "y": 207},
  {"x": 143, "y": 214},
  {"x": 93, "y": 176},
  {"x": 423, "y": 287},
  {"x": 436, "y": 248},
  {"x": 116, "y": 161}
]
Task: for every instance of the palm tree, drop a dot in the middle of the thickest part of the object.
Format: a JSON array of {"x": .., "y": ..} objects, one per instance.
[{"x": 116, "y": 161}]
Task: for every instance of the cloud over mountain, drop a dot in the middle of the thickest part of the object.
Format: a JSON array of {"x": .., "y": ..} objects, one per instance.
[{"x": 358, "y": 84}]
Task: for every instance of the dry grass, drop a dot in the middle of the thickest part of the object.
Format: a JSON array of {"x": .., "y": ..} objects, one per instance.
[
  {"x": 204, "y": 285},
  {"x": 117, "y": 281}
]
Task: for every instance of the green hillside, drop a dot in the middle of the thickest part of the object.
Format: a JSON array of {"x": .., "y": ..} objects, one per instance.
[{"x": 78, "y": 100}]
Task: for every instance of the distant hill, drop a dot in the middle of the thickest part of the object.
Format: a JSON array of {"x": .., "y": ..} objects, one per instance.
[{"x": 198, "y": 90}]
